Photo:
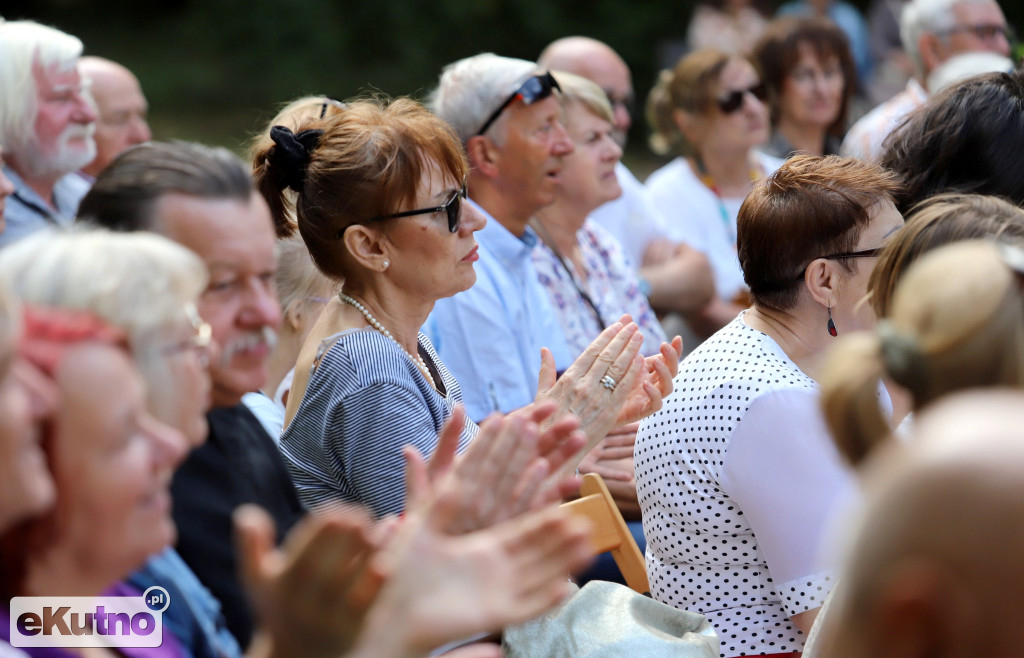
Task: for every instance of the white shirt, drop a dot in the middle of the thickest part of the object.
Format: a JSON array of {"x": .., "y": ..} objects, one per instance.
[
  {"x": 866, "y": 137},
  {"x": 738, "y": 480},
  {"x": 697, "y": 216},
  {"x": 631, "y": 219}
]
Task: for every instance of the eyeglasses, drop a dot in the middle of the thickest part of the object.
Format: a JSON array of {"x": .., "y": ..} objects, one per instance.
[
  {"x": 536, "y": 88},
  {"x": 864, "y": 253},
  {"x": 453, "y": 208},
  {"x": 199, "y": 342},
  {"x": 627, "y": 102},
  {"x": 734, "y": 100},
  {"x": 983, "y": 32}
]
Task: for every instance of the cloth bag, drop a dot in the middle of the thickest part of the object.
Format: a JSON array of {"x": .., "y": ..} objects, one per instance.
[{"x": 610, "y": 620}]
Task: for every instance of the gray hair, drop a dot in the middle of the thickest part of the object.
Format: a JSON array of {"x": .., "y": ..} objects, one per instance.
[
  {"x": 141, "y": 283},
  {"x": 125, "y": 193},
  {"x": 24, "y": 44},
  {"x": 472, "y": 88},
  {"x": 924, "y": 17}
]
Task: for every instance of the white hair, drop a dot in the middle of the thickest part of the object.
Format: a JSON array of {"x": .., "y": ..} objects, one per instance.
[
  {"x": 922, "y": 17},
  {"x": 471, "y": 89},
  {"x": 24, "y": 44},
  {"x": 139, "y": 282},
  {"x": 960, "y": 67}
]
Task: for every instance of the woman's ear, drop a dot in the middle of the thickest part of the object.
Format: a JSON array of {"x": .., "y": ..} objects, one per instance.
[
  {"x": 688, "y": 123},
  {"x": 367, "y": 247},
  {"x": 821, "y": 279},
  {"x": 293, "y": 314},
  {"x": 484, "y": 155}
]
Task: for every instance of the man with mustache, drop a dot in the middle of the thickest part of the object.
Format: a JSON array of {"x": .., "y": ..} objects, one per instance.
[
  {"x": 203, "y": 198},
  {"x": 46, "y": 126}
]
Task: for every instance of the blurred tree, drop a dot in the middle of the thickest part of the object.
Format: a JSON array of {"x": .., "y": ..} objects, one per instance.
[{"x": 215, "y": 70}]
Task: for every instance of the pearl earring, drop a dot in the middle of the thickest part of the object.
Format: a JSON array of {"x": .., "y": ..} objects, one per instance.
[{"x": 386, "y": 264}]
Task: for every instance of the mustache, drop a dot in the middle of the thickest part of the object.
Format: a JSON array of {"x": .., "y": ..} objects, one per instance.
[
  {"x": 76, "y": 130},
  {"x": 247, "y": 341}
]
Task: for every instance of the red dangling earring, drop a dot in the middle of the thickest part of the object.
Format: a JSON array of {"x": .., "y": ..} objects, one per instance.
[{"x": 831, "y": 325}]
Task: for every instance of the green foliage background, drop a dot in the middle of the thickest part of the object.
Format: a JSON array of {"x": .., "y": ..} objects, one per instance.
[{"x": 214, "y": 70}]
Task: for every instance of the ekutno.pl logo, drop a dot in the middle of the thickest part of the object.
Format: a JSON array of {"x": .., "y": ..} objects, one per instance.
[{"x": 82, "y": 621}]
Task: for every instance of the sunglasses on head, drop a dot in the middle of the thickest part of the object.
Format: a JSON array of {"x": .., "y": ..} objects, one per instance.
[
  {"x": 452, "y": 208},
  {"x": 536, "y": 88},
  {"x": 734, "y": 100}
]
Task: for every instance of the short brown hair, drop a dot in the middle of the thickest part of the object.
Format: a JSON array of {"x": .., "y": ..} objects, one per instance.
[
  {"x": 367, "y": 163},
  {"x": 937, "y": 221},
  {"x": 811, "y": 206},
  {"x": 778, "y": 51}
]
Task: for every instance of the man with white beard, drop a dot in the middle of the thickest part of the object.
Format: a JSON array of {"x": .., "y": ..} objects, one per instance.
[{"x": 46, "y": 126}]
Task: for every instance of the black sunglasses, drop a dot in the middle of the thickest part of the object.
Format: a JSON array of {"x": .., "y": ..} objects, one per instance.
[
  {"x": 536, "y": 88},
  {"x": 865, "y": 253},
  {"x": 734, "y": 100},
  {"x": 453, "y": 208}
]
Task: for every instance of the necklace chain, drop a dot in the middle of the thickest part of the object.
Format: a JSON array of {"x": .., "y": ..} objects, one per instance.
[{"x": 375, "y": 323}]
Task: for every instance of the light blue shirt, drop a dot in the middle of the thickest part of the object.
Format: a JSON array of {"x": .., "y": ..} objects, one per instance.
[
  {"x": 27, "y": 212},
  {"x": 490, "y": 336},
  {"x": 193, "y": 616}
]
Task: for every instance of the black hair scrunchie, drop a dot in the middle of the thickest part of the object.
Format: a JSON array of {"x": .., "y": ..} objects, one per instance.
[{"x": 291, "y": 155}]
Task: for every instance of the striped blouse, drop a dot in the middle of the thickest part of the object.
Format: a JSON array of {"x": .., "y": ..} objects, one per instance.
[{"x": 365, "y": 400}]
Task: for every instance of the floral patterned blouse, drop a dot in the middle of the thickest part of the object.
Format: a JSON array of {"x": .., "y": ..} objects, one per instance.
[{"x": 611, "y": 286}]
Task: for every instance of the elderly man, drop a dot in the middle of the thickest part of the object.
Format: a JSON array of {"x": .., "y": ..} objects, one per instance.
[
  {"x": 121, "y": 110},
  {"x": 678, "y": 278},
  {"x": 932, "y": 32},
  {"x": 203, "y": 198},
  {"x": 46, "y": 126},
  {"x": 934, "y": 568},
  {"x": 490, "y": 336}
]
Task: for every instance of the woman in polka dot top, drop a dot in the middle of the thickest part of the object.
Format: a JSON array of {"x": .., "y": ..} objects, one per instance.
[{"x": 737, "y": 476}]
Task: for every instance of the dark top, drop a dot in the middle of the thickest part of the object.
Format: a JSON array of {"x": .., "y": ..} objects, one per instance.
[
  {"x": 239, "y": 463},
  {"x": 778, "y": 146}
]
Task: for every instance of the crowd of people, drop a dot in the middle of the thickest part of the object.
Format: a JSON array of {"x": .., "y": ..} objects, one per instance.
[{"x": 330, "y": 398}]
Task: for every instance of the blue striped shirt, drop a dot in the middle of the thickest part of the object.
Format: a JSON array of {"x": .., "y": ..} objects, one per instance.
[{"x": 365, "y": 400}]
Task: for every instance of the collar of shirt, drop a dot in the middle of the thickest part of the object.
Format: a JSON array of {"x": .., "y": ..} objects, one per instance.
[
  {"x": 512, "y": 251},
  {"x": 67, "y": 192}
]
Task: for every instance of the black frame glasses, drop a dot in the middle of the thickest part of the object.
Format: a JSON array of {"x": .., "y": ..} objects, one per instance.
[
  {"x": 863, "y": 253},
  {"x": 452, "y": 207},
  {"x": 535, "y": 88},
  {"x": 734, "y": 101}
]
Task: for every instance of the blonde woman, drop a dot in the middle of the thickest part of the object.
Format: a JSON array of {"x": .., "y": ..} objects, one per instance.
[
  {"x": 710, "y": 111},
  {"x": 302, "y": 292},
  {"x": 956, "y": 321},
  {"x": 581, "y": 267}
]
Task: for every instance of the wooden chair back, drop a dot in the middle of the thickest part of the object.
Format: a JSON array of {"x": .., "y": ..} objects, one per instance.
[{"x": 610, "y": 531}]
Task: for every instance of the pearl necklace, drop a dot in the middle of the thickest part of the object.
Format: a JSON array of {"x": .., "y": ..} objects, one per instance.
[{"x": 373, "y": 322}]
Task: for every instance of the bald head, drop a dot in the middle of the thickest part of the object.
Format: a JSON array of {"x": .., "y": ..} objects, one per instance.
[
  {"x": 934, "y": 568},
  {"x": 121, "y": 110},
  {"x": 597, "y": 62}
]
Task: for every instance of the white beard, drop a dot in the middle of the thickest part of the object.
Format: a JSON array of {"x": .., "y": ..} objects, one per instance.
[{"x": 64, "y": 158}]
